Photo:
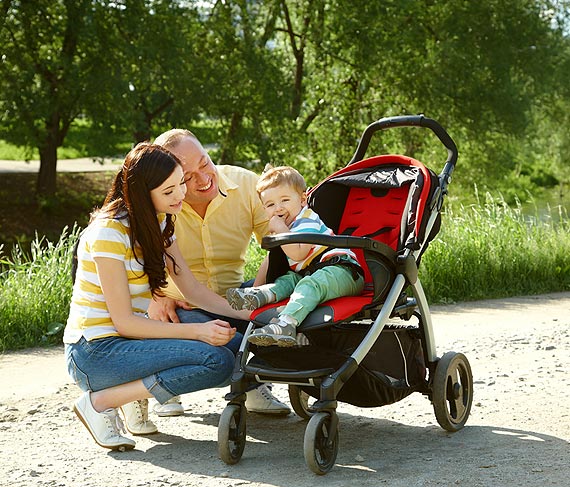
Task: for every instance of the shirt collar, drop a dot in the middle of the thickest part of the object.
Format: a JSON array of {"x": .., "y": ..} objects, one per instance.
[{"x": 225, "y": 184}]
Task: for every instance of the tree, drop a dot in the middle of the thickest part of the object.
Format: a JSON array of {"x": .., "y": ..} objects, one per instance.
[
  {"x": 149, "y": 76},
  {"x": 478, "y": 67},
  {"x": 243, "y": 87},
  {"x": 48, "y": 54}
]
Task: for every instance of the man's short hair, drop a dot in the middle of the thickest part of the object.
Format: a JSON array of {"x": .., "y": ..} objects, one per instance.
[{"x": 171, "y": 138}]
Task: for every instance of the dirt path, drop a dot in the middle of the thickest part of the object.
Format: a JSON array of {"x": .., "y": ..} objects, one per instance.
[{"x": 518, "y": 433}]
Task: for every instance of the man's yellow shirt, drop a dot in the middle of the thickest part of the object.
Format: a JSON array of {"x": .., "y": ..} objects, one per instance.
[{"x": 214, "y": 247}]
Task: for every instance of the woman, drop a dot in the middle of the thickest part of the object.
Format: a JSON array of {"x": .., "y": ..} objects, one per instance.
[{"x": 115, "y": 353}]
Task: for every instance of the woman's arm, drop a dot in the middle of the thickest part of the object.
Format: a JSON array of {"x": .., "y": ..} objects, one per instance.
[
  {"x": 195, "y": 292},
  {"x": 115, "y": 287}
]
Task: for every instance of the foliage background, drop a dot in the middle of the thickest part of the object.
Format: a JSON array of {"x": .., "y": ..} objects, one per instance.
[
  {"x": 295, "y": 82},
  {"x": 291, "y": 82}
]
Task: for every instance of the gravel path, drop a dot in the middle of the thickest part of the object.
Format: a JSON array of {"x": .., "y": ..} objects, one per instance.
[{"x": 517, "y": 435}]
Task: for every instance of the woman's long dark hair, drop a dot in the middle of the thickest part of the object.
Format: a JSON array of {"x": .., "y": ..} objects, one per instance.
[{"x": 146, "y": 167}]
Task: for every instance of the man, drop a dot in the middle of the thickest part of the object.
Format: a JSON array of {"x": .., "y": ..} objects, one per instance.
[{"x": 220, "y": 213}]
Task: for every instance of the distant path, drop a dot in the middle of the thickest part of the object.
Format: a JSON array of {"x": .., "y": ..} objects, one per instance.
[
  {"x": 86, "y": 164},
  {"x": 83, "y": 164}
]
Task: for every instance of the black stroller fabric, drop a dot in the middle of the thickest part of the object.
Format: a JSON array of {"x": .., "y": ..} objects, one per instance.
[{"x": 392, "y": 370}]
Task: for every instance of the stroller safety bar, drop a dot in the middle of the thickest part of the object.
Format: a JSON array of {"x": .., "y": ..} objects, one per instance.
[{"x": 336, "y": 241}]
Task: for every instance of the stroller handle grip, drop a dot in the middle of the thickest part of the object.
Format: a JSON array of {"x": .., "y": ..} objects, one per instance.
[{"x": 409, "y": 121}]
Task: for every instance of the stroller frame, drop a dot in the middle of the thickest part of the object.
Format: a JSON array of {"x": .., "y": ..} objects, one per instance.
[{"x": 447, "y": 381}]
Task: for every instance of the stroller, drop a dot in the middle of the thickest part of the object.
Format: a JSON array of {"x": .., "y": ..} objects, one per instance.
[{"x": 368, "y": 350}]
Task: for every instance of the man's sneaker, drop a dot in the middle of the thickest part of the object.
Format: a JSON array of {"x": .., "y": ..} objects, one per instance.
[
  {"x": 281, "y": 334},
  {"x": 105, "y": 427},
  {"x": 136, "y": 418},
  {"x": 172, "y": 407},
  {"x": 249, "y": 298},
  {"x": 261, "y": 400}
]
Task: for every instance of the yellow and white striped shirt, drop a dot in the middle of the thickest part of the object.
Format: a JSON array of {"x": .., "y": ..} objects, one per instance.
[{"x": 88, "y": 314}]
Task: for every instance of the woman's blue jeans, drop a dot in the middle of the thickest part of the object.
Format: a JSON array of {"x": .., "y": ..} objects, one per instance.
[{"x": 167, "y": 367}]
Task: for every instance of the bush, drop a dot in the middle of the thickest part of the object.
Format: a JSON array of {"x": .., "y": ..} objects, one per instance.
[
  {"x": 35, "y": 292},
  {"x": 491, "y": 250}
]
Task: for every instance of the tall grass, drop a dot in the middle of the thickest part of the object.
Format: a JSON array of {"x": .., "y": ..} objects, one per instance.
[
  {"x": 35, "y": 292},
  {"x": 491, "y": 250},
  {"x": 253, "y": 258},
  {"x": 487, "y": 250}
]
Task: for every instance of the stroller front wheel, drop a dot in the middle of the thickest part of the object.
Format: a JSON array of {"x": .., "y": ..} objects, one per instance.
[
  {"x": 299, "y": 400},
  {"x": 232, "y": 433},
  {"x": 321, "y": 442},
  {"x": 452, "y": 391}
]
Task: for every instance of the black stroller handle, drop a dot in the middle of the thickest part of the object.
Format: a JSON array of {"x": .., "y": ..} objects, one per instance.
[
  {"x": 410, "y": 121},
  {"x": 403, "y": 263}
]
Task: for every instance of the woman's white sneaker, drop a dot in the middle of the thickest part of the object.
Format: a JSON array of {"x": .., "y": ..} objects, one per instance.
[
  {"x": 136, "y": 418},
  {"x": 172, "y": 407},
  {"x": 105, "y": 427}
]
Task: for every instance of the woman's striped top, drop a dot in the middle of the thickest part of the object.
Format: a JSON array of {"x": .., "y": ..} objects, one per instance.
[{"x": 88, "y": 314}]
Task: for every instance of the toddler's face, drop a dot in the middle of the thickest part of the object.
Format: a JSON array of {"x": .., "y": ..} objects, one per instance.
[{"x": 283, "y": 201}]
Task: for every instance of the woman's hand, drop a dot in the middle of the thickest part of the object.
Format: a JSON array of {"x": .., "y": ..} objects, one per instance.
[
  {"x": 215, "y": 332},
  {"x": 244, "y": 314}
]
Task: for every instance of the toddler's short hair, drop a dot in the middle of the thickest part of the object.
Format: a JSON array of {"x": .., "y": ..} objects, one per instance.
[{"x": 277, "y": 176}]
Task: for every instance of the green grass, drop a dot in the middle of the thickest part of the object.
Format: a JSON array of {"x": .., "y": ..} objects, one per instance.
[
  {"x": 11, "y": 152},
  {"x": 253, "y": 258},
  {"x": 35, "y": 292},
  {"x": 491, "y": 250},
  {"x": 83, "y": 140},
  {"x": 483, "y": 251}
]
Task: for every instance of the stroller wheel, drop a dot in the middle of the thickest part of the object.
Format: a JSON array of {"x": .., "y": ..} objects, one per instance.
[
  {"x": 321, "y": 443},
  {"x": 231, "y": 433},
  {"x": 452, "y": 391},
  {"x": 299, "y": 400}
]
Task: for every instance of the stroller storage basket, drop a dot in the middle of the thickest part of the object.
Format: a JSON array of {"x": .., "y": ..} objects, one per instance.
[{"x": 392, "y": 370}]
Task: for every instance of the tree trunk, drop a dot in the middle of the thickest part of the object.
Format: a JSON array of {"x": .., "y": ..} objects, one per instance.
[
  {"x": 228, "y": 155},
  {"x": 299, "y": 54},
  {"x": 46, "y": 183}
]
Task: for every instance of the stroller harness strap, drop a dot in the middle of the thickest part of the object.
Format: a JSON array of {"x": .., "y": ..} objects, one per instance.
[{"x": 344, "y": 261}]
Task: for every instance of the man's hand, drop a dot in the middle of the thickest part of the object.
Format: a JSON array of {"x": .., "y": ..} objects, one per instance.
[{"x": 164, "y": 309}]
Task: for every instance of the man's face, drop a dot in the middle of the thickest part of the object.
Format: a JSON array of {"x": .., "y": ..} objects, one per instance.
[{"x": 200, "y": 172}]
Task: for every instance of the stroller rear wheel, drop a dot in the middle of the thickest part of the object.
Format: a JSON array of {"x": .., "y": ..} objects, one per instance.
[
  {"x": 321, "y": 442},
  {"x": 231, "y": 433},
  {"x": 299, "y": 400},
  {"x": 452, "y": 391}
]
